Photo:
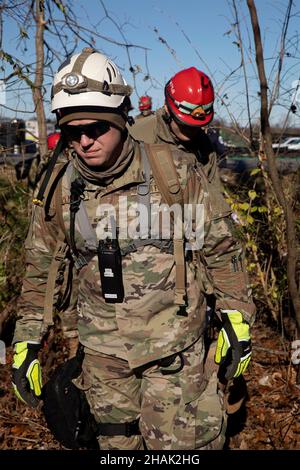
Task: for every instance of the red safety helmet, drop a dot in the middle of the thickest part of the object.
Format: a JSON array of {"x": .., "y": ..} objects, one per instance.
[
  {"x": 190, "y": 97},
  {"x": 145, "y": 102},
  {"x": 52, "y": 140}
]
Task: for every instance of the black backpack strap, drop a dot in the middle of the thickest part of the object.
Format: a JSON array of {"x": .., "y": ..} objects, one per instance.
[
  {"x": 61, "y": 145},
  {"x": 119, "y": 429},
  {"x": 78, "y": 210}
]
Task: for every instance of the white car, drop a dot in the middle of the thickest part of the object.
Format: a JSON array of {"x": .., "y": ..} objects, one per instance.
[
  {"x": 285, "y": 145},
  {"x": 294, "y": 145}
]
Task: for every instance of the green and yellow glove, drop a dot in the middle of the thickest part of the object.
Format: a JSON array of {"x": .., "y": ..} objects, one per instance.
[
  {"x": 233, "y": 351},
  {"x": 26, "y": 373}
]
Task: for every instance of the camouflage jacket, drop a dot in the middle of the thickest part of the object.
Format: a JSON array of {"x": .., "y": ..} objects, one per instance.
[
  {"x": 146, "y": 325},
  {"x": 154, "y": 130}
]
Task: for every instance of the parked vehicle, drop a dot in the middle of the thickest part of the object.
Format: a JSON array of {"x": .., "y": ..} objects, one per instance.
[
  {"x": 286, "y": 143},
  {"x": 295, "y": 145}
]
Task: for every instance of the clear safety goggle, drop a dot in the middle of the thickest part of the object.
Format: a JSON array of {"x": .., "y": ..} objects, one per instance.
[{"x": 195, "y": 110}]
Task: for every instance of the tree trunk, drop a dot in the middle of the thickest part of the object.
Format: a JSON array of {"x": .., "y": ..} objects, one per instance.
[
  {"x": 274, "y": 175},
  {"x": 39, "y": 76}
]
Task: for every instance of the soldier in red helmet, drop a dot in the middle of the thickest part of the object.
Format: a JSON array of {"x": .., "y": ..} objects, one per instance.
[
  {"x": 189, "y": 97},
  {"x": 145, "y": 107},
  {"x": 183, "y": 120}
]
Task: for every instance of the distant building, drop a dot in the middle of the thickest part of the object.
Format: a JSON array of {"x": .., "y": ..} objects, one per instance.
[{"x": 32, "y": 132}]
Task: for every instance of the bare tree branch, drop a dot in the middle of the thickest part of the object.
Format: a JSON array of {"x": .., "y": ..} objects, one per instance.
[
  {"x": 274, "y": 175},
  {"x": 241, "y": 49},
  {"x": 275, "y": 92}
]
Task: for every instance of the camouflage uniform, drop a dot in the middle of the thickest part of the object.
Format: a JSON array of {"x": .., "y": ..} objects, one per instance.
[
  {"x": 124, "y": 341},
  {"x": 181, "y": 410},
  {"x": 155, "y": 130}
]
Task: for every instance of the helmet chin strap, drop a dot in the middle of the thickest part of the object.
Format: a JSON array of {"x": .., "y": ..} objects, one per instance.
[{"x": 167, "y": 117}]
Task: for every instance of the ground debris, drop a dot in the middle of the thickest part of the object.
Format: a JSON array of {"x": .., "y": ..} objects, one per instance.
[
  {"x": 270, "y": 418},
  {"x": 273, "y": 406}
]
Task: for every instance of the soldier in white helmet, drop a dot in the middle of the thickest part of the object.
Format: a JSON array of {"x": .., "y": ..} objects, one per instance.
[{"x": 141, "y": 299}]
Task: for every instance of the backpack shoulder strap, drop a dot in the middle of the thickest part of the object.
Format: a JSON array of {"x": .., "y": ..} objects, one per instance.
[
  {"x": 53, "y": 195},
  {"x": 166, "y": 177},
  {"x": 164, "y": 172},
  {"x": 54, "y": 192}
]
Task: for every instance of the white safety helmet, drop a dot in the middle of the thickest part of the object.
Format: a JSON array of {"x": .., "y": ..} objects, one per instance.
[{"x": 89, "y": 80}]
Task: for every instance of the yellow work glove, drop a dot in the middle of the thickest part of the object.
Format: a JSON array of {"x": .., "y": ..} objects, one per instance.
[
  {"x": 233, "y": 351},
  {"x": 26, "y": 372}
]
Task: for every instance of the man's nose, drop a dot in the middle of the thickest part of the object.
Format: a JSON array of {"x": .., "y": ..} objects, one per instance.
[{"x": 85, "y": 140}]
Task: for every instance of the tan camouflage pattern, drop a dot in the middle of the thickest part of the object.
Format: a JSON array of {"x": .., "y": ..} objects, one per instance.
[
  {"x": 68, "y": 316},
  {"x": 145, "y": 128},
  {"x": 176, "y": 413},
  {"x": 179, "y": 411},
  {"x": 45, "y": 160},
  {"x": 154, "y": 130},
  {"x": 146, "y": 325}
]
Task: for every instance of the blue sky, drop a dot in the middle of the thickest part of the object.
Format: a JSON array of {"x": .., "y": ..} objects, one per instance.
[{"x": 196, "y": 34}]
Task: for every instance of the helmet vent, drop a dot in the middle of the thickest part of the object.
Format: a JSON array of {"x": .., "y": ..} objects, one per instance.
[
  {"x": 113, "y": 69},
  {"x": 109, "y": 74},
  {"x": 105, "y": 86}
]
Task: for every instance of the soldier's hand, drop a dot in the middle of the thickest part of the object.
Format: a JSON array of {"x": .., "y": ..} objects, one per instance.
[
  {"x": 233, "y": 351},
  {"x": 26, "y": 372}
]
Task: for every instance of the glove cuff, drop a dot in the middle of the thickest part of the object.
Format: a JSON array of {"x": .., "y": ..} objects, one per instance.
[
  {"x": 33, "y": 345},
  {"x": 21, "y": 346},
  {"x": 234, "y": 316}
]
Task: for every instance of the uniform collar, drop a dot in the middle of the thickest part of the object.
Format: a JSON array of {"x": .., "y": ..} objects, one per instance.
[{"x": 133, "y": 175}]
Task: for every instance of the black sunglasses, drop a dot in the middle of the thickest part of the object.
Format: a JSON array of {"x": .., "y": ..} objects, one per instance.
[{"x": 92, "y": 130}]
